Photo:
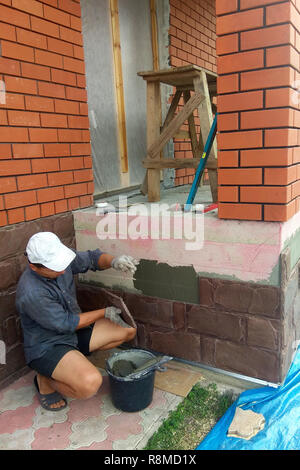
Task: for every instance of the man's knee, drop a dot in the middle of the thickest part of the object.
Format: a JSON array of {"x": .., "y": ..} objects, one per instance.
[
  {"x": 90, "y": 384},
  {"x": 131, "y": 333}
]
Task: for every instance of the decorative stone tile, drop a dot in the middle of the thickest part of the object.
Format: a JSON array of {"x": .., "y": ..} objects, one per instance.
[
  {"x": 220, "y": 324},
  {"x": 206, "y": 292},
  {"x": 263, "y": 333},
  {"x": 233, "y": 296},
  {"x": 266, "y": 301},
  {"x": 176, "y": 344},
  {"x": 247, "y": 360}
]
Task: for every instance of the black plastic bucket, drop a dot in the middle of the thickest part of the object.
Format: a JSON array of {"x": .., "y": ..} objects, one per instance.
[{"x": 131, "y": 394}]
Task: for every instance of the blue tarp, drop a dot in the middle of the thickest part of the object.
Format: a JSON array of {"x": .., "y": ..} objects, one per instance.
[{"x": 280, "y": 408}]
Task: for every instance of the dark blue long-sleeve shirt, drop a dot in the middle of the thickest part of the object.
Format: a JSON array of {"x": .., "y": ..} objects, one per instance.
[{"x": 48, "y": 307}]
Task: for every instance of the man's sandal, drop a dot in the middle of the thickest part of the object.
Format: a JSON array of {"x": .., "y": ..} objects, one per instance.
[{"x": 49, "y": 399}]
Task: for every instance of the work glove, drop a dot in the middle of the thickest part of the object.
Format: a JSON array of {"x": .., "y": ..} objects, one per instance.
[
  {"x": 124, "y": 263},
  {"x": 114, "y": 314}
]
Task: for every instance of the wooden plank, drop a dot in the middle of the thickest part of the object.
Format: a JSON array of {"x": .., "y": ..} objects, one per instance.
[
  {"x": 154, "y": 35},
  {"x": 155, "y": 57},
  {"x": 172, "y": 109},
  {"x": 153, "y": 131},
  {"x": 176, "y": 71},
  {"x": 206, "y": 120},
  {"x": 177, "y": 163},
  {"x": 175, "y": 124},
  {"x": 169, "y": 117},
  {"x": 114, "y": 11},
  {"x": 192, "y": 128}
]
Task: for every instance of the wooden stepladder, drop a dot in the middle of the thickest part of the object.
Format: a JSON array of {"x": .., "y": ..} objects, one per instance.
[{"x": 197, "y": 86}]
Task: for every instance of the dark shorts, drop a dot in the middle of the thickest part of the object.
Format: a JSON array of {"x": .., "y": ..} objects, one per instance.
[{"x": 46, "y": 364}]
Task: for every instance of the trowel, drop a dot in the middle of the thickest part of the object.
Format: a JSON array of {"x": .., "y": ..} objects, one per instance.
[{"x": 152, "y": 364}]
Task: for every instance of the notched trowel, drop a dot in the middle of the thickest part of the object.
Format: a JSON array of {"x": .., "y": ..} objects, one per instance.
[{"x": 152, "y": 364}]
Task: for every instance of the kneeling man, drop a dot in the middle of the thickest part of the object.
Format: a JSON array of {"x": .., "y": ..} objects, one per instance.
[{"x": 57, "y": 336}]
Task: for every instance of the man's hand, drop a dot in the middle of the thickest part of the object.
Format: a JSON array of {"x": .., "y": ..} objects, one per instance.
[
  {"x": 124, "y": 263},
  {"x": 114, "y": 314}
]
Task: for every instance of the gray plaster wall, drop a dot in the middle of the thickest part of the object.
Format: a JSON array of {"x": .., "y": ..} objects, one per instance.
[
  {"x": 136, "y": 49},
  {"x": 135, "y": 32},
  {"x": 96, "y": 27}
]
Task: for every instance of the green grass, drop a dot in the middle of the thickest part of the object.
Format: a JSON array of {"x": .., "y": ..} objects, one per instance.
[{"x": 194, "y": 417}]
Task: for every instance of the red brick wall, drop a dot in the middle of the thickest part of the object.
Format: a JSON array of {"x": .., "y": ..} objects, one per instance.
[
  {"x": 45, "y": 154},
  {"x": 258, "y": 154},
  {"x": 192, "y": 41}
]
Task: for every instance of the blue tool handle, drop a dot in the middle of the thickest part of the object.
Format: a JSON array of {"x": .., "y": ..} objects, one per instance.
[{"x": 201, "y": 166}]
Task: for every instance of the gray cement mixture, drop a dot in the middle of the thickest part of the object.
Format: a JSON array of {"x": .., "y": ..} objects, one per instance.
[{"x": 122, "y": 368}]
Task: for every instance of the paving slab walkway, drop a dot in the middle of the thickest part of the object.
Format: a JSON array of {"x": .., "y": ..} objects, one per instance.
[{"x": 85, "y": 424}]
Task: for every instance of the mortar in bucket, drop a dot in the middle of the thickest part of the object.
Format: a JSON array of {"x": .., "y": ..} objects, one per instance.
[{"x": 134, "y": 392}]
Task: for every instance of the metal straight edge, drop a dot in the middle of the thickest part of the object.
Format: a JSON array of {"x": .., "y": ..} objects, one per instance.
[{"x": 230, "y": 374}]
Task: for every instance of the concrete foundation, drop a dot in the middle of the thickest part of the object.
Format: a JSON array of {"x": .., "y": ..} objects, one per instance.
[{"x": 232, "y": 303}]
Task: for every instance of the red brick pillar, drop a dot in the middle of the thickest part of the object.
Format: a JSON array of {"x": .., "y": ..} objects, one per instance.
[{"x": 258, "y": 136}]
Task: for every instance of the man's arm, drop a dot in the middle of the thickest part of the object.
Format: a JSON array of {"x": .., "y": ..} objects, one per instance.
[
  {"x": 96, "y": 260},
  {"x": 87, "y": 318},
  {"x": 111, "y": 313}
]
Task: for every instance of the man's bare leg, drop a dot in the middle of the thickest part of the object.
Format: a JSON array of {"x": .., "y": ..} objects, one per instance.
[
  {"x": 45, "y": 388},
  {"x": 108, "y": 335},
  {"x": 75, "y": 376}
]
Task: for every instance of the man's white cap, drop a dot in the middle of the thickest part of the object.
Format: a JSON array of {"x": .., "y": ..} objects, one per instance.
[{"x": 46, "y": 248}]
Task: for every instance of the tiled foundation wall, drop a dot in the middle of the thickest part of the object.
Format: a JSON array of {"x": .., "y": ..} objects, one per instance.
[
  {"x": 13, "y": 241},
  {"x": 237, "y": 327},
  {"x": 245, "y": 328}
]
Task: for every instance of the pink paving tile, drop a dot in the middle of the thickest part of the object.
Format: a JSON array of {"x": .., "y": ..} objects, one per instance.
[
  {"x": 55, "y": 437},
  {"x": 123, "y": 425},
  {"x": 104, "y": 389},
  {"x": 21, "y": 418},
  {"x": 82, "y": 409},
  {"x": 158, "y": 399}
]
